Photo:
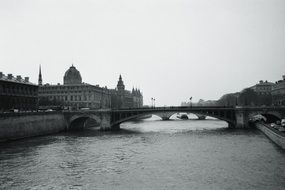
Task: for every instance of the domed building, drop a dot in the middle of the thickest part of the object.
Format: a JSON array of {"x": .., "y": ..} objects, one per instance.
[
  {"x": 72, "y": 76},
  {"x": 74, "y": 93}
]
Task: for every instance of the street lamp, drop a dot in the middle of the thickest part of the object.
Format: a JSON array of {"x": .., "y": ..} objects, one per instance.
[
  {"x": 154, "y": 102},
  {"x": 151, "y": 102}
]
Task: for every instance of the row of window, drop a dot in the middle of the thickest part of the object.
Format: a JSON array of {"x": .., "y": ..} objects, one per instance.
[
  {"x": 20, "y": 90},
  {"x": 264, "y": 88},
  {"x": 280, "y": 91},
  {"x": 69, "y": 88},
  {"x": 20, "y": 103},
  {"x": 279, "y": 86},
  {"x": 67, "y": 92},
  {"x": 75, "y": 98}
]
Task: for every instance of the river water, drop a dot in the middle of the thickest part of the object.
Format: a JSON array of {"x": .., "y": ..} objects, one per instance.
[{"x": 150, "y": 154}]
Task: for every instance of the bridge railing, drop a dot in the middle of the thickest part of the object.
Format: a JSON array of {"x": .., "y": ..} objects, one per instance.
[
  {"x": 173, "y": 107},
  {"x": 202, "y": 107}
]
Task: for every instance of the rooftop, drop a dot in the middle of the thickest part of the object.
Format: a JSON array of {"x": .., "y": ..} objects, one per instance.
[{"x": 17, "y": 79}]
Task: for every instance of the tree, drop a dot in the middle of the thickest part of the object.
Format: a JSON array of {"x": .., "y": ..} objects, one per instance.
[
  {"x": 228, "y": 99},
  {"x": 248, "y": 97}
]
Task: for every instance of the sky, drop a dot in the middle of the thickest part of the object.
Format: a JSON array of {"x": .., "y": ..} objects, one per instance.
[{"x": 171, "y": 49}]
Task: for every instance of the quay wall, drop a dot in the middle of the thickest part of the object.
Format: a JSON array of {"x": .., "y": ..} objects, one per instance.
[
  {"x": 21, "y": 125},
  {"x": 274, "y": 135}
]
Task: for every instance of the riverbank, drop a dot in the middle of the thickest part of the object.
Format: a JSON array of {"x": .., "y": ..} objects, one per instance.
[
  {"x": 276, "y": 136},
  {"x": 18, "y": 125}
]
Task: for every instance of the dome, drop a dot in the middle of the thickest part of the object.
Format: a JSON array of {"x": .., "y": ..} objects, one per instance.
[{"x": 72, "y": 76}]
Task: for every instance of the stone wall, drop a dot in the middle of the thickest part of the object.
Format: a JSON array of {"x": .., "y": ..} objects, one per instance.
[
  {"x": 16, "y": 126},
  {"x": 275, "y": 136}
]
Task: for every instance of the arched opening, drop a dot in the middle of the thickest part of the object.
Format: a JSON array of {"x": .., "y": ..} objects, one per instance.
[
  {"x": 83, "y": 123},
  {"x": 90, "y": 123},
  {"x": 271, "y": 118},
  {"x": 230, "y": 121},
  {"x": 78, "y": 124}
]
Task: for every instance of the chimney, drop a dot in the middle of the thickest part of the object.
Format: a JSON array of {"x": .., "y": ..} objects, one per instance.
[
  {"x": 10, "y": 76},
  {"x": 19, "y": 78},
  {"x": 1, "y": 75},
  {"x": 26, "y": 79}
]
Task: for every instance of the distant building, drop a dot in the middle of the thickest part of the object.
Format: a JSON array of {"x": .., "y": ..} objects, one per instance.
[
  {"x": 278, "y": 92},
  {"x": 263, "y": 88},
  {"x": 122, "y": 98},
  {"x": 17, "y": 93},
  {"x": 74, "y": 93}
]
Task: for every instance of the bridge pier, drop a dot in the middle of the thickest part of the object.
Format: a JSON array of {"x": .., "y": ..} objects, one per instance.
[
  {"x": 165, "y": 118},
  {"x": 115, "y": 127},
  {"x": 105, "y": 123},
  {"x": 231, "y": 125},
  {"x": 201, "y": 117},
  {"x": 242, "y": 118}
]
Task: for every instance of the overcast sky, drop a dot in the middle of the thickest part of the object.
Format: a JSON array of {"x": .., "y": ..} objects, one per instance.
[{"x": 170, "y": 49}]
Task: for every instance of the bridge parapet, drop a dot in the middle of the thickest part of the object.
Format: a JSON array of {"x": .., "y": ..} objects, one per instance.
[{"x": 237, "y": 117}]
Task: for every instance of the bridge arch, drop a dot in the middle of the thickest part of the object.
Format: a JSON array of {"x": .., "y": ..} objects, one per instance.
[
  {"x": 164, "y": 115},
  {"x": 227, "y": 118},
  {"x": 271, "y": 116},
  {"x": 78, "y": 122},
  {"x": 230, "y": 119}
]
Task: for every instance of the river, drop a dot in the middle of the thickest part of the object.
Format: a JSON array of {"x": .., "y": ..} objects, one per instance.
[{"x": 150, "y": 154}]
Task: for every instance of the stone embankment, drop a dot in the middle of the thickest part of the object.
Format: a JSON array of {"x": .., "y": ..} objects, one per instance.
[
  {"x": 273, "y": 134},
  {"x": 17, "y": 125}
]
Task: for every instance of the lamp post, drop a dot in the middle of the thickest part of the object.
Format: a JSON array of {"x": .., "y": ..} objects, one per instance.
[
  {"x": 154, "y": 102},
  {"x": 151, "y": 102}
]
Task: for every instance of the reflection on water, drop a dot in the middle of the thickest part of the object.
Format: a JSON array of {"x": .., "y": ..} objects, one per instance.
[{"x": 151, "y": 154}]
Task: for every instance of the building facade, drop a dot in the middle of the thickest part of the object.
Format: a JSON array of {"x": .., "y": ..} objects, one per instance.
[
  {"x": 122, "y": 98},
  {"x": 263, "y": 87},
  {"x": 75, "y": 94},
  {"x": 17, "y": 93},
  {"x": 278, "y": 92}
]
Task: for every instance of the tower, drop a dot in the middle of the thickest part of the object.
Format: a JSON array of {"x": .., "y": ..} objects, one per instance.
[
  {"x": 120, "y": 85},
  {"x": 40, "y": 81}
]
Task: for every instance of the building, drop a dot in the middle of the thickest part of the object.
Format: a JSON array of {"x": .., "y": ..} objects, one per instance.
[
  {"x": 73, "y": 93},
  {"x": 263, "y": 88},
  {"x": 278, "y": 92},
  {"x": 122, "y": 98},
  {"x": 17, "y": 93}
]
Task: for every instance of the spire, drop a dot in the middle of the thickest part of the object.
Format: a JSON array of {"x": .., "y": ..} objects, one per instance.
[
  {"x": 120, "y": 85},
  {"x": 40, "y": 81},
  {"x": 133, "y": 90}
]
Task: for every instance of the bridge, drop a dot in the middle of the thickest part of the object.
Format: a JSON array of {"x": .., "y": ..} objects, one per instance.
[
  {"x": 236, "y": 117},
  {"x": 28, "y": 124}
]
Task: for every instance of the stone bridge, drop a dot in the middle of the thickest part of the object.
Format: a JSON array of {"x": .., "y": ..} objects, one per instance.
[
  {"x": 236, "y": 117},
  {"x": 27, "y": 124}
]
